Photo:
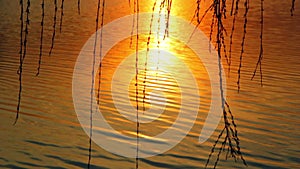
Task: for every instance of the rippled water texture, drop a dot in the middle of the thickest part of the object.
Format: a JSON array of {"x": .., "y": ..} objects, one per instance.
[{"x": 49, "y": 135}]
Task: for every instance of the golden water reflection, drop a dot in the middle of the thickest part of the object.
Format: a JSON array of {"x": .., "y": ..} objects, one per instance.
[{"x": 159, "y": 74}]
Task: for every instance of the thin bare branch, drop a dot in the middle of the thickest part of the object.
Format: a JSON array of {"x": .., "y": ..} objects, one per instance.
[
  {"x": 292, "y": 7},
  {"x": 20, "y": 70},
  {"x": 61, "y": 14},
  {"x": 261, "y": 52},
  {"x": 137, "y": 84},
  {"x": 246, "y": 4},
  {"x": 41, "y": 38},
  {"x": 231, "y": 34},
  {"x": 54, "y": 27},
  {"x": 78, "y": 7}
]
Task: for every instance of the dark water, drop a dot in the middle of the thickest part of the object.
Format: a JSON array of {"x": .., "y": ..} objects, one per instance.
[{"x": 48, "y": 133}]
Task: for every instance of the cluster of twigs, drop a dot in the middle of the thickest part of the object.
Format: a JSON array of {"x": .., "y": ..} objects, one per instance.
[
  {"x": 24, "y": 33},
  {"x": 163, "y": 5},
  {"x": 231, "y": 142},
  {"x": 219, "y": 14}
]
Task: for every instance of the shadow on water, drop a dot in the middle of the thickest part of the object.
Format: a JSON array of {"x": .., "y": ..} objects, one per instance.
[
  {"x": 200, "y": 160},
  {"x": 29, "y": 165},
  {"x": 3, "y": 159},
  {"x": 74, "y": 163},
  {"x": 11, "y": 166},
  {"x": 46, "y": 144},
  {"x": 155, "y": 164}
]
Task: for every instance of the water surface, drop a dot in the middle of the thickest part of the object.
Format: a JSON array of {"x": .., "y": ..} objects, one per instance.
[{"x": 48, "y": 133}]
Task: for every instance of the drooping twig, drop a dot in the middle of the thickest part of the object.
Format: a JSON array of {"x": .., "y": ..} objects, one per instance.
[
  {"x": 54, "y": 27},
  {"x": 246, "y": 4},
  {"x": 78, "y": 7},
  {"x": 197, "y": 12},
  {"x": 218, "y": 13},
  {"x": 293, "y": 7},
  {"x": 26, "y": 30},
  {"x": 137, "y": 84},
  {"x": 220, "y": 30},
  {"x": 133, "y": 23},
  {"x": 212, "y": 25},
  {"x": 261, "y": 52},
  {"x": 101, "y": 46},
  {"x": 231, "y": 140},
  {"x": 61, "y": 15},
  {"x": 21, "y": 60},
  {"x": 223, "y": 31},
  {"x": 41, "y": 38},
  {"x": 231, "y": 34},
  {"x": 229, "y": 131},
  {"x": 213, "y": 148},
  {"x": 158, "y": 34},
  {"x": 147, "y": 54},
  {"x": 21, "y": 34},
  {"x": 169, "y": 6},
  {"x": 232, "y": 7},
  {"x": 23, "y": 55},
  {"x": 199, "y": 20},
  {"x": 222, "y": 36},
  {"x": 92, "y": 86}
]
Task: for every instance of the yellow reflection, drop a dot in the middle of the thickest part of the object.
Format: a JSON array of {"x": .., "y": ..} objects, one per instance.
[{"x": 162, "y": 69}]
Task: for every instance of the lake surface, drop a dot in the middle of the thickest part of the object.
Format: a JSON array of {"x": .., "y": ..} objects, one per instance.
[{"x": 49, "y": 135}]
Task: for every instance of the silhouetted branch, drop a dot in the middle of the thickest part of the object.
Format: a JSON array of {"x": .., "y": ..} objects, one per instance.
[
  {"x": 229, "y": 132},
  {"x": 21, "y": 60},
  {"x": 147, "y": 54},
  {"x": 41, "y": 38},
  {"x": 293, "y": 7},
  {"x": 232, "y": 31},
  {"x": 232, "y": 7},
  {"x": 260, "y": 57},
  {"x": 137, "y": 84},
  {"x": 246, "y": 4},
  {"x": 22, "y": 56},
  {"x": 212, "y": 26},
  {"x": 199, "y": 20},
  {"x": 231, "y": 140},
  {"x": 133, "y": 23},
  {"x": 101, "y": 46},
  {"x": 169, "y": 5},
  {"x": 78, "y": 7},
  {"x": 61, "y": 14},
  {"x": 54, "y": 27}
]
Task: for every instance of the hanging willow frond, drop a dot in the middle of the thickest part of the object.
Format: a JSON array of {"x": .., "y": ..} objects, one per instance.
[
  {"x": 292, "y": 7},
  {"x": 232, "y": 30},
  {"x": 246, "y": 4},
  {"x": 261, "y": 52},
  {"x": 54, "y": 27},
  {"x": 136, "y": 84},
  {"x": 78, "y": 7},
  {"x": 61, "y": 15},
  {"x": 41, "y": 38},
  {"x": 23, "y": 51}
]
